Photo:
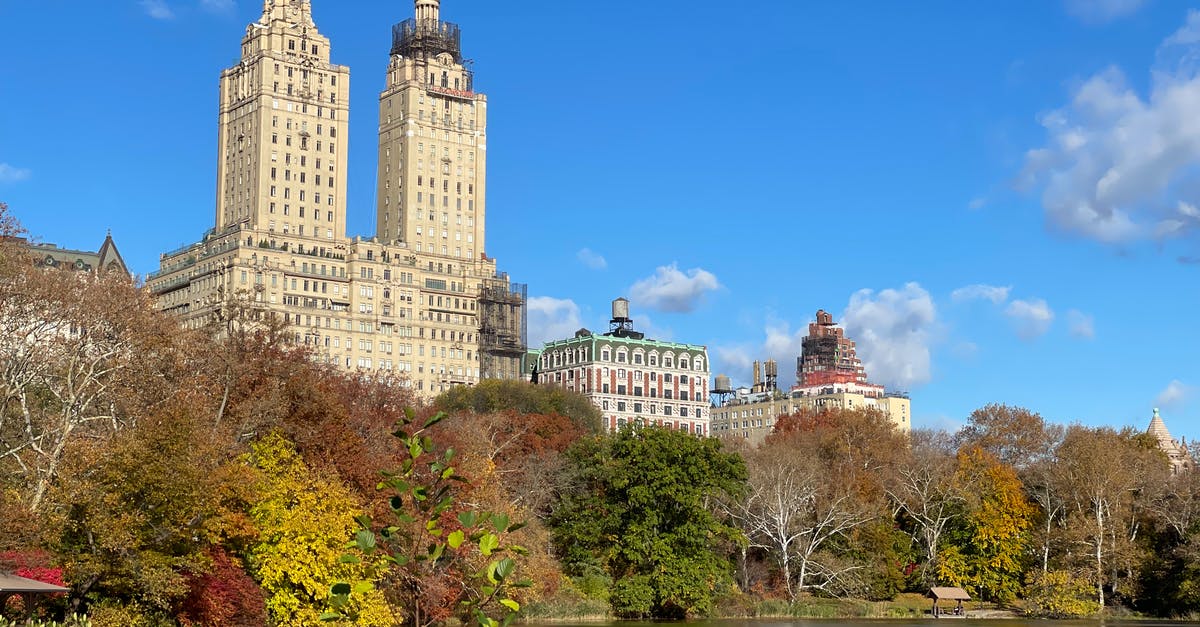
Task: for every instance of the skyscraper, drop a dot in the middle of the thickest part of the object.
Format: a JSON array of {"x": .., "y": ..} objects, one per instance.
[
  {"x": 422, "y": 298},
  {"x": 282, "y": 130},
  {"x": 432, "y": 141}
]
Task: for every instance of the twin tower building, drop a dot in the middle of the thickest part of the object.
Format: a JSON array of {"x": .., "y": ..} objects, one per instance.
[{"x": 420, "y": 298}]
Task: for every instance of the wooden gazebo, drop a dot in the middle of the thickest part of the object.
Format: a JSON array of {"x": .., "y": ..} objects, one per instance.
[
  {"x": 28, "y": 589},
  {"x": 958, "y": 595}
]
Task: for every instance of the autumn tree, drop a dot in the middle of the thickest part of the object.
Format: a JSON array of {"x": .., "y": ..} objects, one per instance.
[
  {"x": 1101, "y": 475},
  {"x": 136, "y": 513},
  {"x": 436, "y": 558},
  {"x": 76, "y": 349},
  {"x": 802, "y": 495},
  {"x": 986, "y": 553},
  {"x": 304, "y": 520},
  {"x": 497, "y": 395},
  {"x": 643, "y": 512}
]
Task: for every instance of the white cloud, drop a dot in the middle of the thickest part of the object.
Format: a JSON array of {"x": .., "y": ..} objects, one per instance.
[
  {"x": 673, "y": 291},
  {"x": 894, "y": 330},
  {"x": 979, "y": 291},
  {"x": 12, "y": 174},
  {"x": 552, "y": 319},
  {"x": 157, "y": 9},
  {"x": 779, "y": 343},
  {"x": 591, "y": 259},
  {"x": 1174, "y": 395},
  {"x": 1118, "y": 167},
  {"x": 734, "y": 361},
  {"x": 1099, "y": 11},
  {"x": 1032, "y": 317},
  {"x": 977, "y": 203},
  {"x": 1081, "y": 325}
]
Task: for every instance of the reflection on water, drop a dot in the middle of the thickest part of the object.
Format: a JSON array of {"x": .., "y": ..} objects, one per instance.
[{"x": 875, "y": 622}]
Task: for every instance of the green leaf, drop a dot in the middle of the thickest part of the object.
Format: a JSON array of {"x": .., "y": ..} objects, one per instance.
[
  {"x": 329, "y": 617},
  {"x": 456, "y": 538},
  {"x": 511, "y": 604},
  {"x": 488, "y": 543},
  {"x": 468, "y": 519},
  {"x": 500, "y": 522},
  {"x": 340, "y": 588},
  {"x": 517, "y": 526},
  {"x": 434, "y": 419},
  {"x": 505, "y": 567},
  {"x": 349, "y": 559},
  {"x": 363, "y": 587},
  {"x": 365, "y": 540},
  {"x": 436, "y": 554},
  {"x": 518, "y": 549}
]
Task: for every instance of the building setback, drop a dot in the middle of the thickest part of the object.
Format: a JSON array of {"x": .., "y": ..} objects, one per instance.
[
  {"x": 629, "y": 377},
  {"x": 422, "y": 298},
  {"x": 829, "y": 375}
]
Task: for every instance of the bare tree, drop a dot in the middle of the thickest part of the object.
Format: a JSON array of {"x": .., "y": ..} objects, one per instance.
[
  {"x": 70, "y": 345},
  {"x": 923, "y": 488},
  {"x": 1101, "y": 476},
  {"x": 797, "y": 501}
]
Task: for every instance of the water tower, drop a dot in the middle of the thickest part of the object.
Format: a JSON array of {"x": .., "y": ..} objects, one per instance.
[
  {"x": 721, "y": 390},
  {"x": 621, "y": 324}
]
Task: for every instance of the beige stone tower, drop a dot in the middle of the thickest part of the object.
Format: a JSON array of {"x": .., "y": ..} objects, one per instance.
[
  {"x": 421, "y": 299},
  {"x": 282, "y": 132},
  {"x": 432, "y": 142}
]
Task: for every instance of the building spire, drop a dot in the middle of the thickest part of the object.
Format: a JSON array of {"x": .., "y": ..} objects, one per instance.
[
  {"x": 427, "y": 10},
  {"x": 295, "y": 11}
]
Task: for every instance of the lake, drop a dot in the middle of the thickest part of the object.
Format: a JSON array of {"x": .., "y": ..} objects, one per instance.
[{"x": 874, "y": 622}]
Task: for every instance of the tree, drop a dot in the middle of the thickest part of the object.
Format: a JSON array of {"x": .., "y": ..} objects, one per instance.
[
  {"x": 495, "y": 395},
  {"x": 76, "y": 350},
  {"x": 797, "y": 501},
  {"x": 1016, "y": 436},
  {"x": 1100, "y": 474},
  {"x": 437, "y": 560},
  {"x": 304, "y": 519},
  {"x": 922, "y": 488},
  {"x": 643, "y": 513},
  {"x": 139, "y": 511},
  {"x": 988, "y": 551}
]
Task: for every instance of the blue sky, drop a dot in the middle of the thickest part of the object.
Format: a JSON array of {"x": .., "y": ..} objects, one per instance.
[{"x": 999, "y": 200}]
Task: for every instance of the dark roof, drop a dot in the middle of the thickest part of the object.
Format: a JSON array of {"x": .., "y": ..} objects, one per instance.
[
  {"x": 107, "y": 258},
  {"x": 13, "y": 583}
]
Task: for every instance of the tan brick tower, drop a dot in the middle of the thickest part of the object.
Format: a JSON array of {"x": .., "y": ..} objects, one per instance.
[
  {"x": 421, "y": 298},
  {"x": 432, "y": 142},
  {"x": 282, "y": 132}
]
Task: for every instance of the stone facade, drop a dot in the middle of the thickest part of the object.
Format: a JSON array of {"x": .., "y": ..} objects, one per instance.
[
  {"x": 629, "y": 377},
  {"x": 440, "y": 314},
  {"x": 829, "y": 374},
  {"x": 1177, "y": 452},
  {"x": 753, "y": 416}
]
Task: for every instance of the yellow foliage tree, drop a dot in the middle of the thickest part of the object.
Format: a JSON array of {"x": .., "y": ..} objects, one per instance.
[
  {"x": 304, "y": 519},
  {"x": 986, "y": 555}
]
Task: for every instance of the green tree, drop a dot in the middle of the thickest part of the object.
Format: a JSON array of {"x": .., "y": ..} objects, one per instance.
[
  {"x": 642, "y": 511},
  {"x": 497, "y": 395}
]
